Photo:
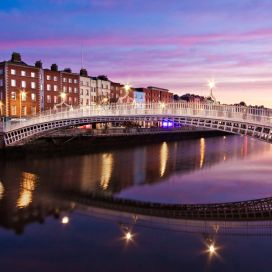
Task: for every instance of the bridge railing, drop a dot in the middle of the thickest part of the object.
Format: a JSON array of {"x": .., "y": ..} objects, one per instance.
[{"x": 215, "y": 111}]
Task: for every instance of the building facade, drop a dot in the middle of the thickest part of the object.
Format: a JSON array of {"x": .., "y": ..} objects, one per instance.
[
  {"x": 103, "y": 89},
  {"x": 19, "y": 88},
  {"x": 139, "y": 95},
  {"x": 160, "y": 95}
]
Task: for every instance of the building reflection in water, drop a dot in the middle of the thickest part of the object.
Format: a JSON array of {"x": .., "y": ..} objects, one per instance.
[
  {"x": 202, "y": 152},
  {"x": 106, "y": 170},
  {"x": 2, "y": 190},
  {"x": 27, "y": 186},
  {"x": 163, "y": 158}
]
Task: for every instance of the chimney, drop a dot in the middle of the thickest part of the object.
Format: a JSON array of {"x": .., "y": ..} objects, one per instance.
[
  {"x": 83, "y": 72},
  {"x": 67, "y": 70},
  {"x": 54, "y": 67},
  {"x": 38, "y": 64},
  {"x": 16, "y": 57}
]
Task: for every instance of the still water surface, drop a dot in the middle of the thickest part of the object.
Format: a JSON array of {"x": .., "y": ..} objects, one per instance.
[{"x": 34, "y": 236}]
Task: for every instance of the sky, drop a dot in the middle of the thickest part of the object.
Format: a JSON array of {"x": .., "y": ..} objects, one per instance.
[{"x": 173, "y": 44}]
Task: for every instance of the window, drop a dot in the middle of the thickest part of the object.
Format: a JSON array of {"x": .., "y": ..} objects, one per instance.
[
  {"x": 81, "y": 101},
  {"x": 33, "y": 110},
  {"x": 13, "y": 72},
  {"x": 1, "y": 82},
  {"x": 75, "y": 90},
  {"x": 87, "y": 83},
  {"x": 55, "y": 88},
  {"x": 1, "y": 71},
  {"x": 55, "y": 78},
  {"x": 32, "y": 74},
  {"x": 64, "y": 79},
  {"x": 33, "y": 85},
  {"x": 23, "y": 96},
  {"x": 75, "y": 81},
  {"x": 70, "y": 80},
  {"x": 33, "y": 97},
  {"x": 24, "y": 110},
  {"x": 48, "y": 77},
  {"x": 13, "y": 110},
  {"x": 70, "y": 89},
  {"x": 23, "y": 73},
  {"x": 81, "y": 91},
  {"x": 87, "y": 102},
  {"x": 75, "y": 100},
  {"x": 23, "y": 84},
  {"x": 55, "y": 99},
  {"x": 13, "y": 95},
  {"x": 64, "y": 89},
  {"x": 87, "y": 92},
  {"x": 70, "y": 100},
  {"x": 48, "y": 87},
  {"x": 48, "y": 98},
  {"x": 81, "y": 83},
  {"x": 13, "y": 83}
]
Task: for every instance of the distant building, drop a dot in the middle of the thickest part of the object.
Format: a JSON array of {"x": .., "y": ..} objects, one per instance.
[
  {"x": 139, "y": 95},
  {"x": 156, "y": 95}
]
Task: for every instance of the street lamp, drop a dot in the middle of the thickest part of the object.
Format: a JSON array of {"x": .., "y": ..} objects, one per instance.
[
  {"x": 127, "y": 87},
  {"x": 211, "y": 84}
]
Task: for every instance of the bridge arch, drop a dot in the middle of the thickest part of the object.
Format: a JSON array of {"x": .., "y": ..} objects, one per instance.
[{"x": 256, "y": 123}]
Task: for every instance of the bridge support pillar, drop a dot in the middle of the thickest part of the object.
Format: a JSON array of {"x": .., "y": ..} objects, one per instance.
[{"x": 2, "y": 141}]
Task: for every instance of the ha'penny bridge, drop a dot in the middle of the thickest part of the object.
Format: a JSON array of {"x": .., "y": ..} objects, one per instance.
[
  {"x": 250, "y": 210},
  {"x": 250, "y": 121}
]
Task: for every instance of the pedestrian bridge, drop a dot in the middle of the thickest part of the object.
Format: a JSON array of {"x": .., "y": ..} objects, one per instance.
[{"x": 250, "y": 121}]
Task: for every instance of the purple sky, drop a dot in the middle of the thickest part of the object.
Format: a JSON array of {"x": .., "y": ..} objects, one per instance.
[{"x": 177, "y": 44}]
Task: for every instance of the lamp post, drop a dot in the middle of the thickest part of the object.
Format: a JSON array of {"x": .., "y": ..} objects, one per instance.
[
  {"x": 211, "y": 85},
  {"x": 63, "y": 97}
]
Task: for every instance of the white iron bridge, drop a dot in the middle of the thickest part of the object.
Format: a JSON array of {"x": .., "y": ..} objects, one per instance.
[{"x": 251, "y": 121}]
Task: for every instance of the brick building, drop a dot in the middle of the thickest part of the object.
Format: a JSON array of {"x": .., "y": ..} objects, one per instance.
[
  {"x": 160, "y": 95},
  {"x": 20, "y": 85}
]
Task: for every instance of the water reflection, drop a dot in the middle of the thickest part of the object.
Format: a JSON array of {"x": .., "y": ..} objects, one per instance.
[
  {"x": 202, "y": 152},
  {"x": 27, "y": 187},
  {"x": 163, "y": 158},
  {"x": 106, "y": 170}
]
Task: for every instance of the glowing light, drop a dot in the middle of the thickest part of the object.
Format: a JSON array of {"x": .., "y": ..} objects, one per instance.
[
  {"x": 107, "y": 164},
  {"x": 163, "y": 158},
  {"x": 127, "y": 87},
  {"x": 65, "y": 220},
  {"x": 28, "y": 184},
  {"x": 211, "y": 84},
  {"x": 128, "y": 236},
  {"x": 212, "y": 249},
  {"x": 202, "y": 152},
  {"x": 2, "y": 189},
  {"x": 63, "y": 96},
  {"x": 162, "y": 105}
]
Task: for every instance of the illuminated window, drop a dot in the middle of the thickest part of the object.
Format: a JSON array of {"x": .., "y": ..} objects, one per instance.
[
  {"x": 55, "y": 99},
  {"x": 13, "y": 83},
  {"x": 13, "y": 95},
  {"x": 24, "y": 110},
  {"x": 33, "y": 85},
  {"x": 48, "y": 98},
  {"x": 13, "y": 110},
  {"x": 23, "y": 73},
  {"x": 1, "y": 82},
  {"x": 70, "y": 89},
  {"x": 23, "y": 84},
  {"x": 64, "y": 79},
  {"x": 64, "y": 89},
  {"x": 48, "y": 87},
  {"x": 32, "y": 74},
  {"x": 55, "y": 88},
  {"x": 70, "y": 80},
  {"x": 75, "y": 90},
  {"x": 13, "y": 72},
  {"x": 33, "y": 110},
  {"x": 55, "y": 78},
  {"x": 33, "y": 97}
]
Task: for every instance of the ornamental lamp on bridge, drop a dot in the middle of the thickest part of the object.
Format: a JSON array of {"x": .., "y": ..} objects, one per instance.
[{"x": 211, "y": 85}]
